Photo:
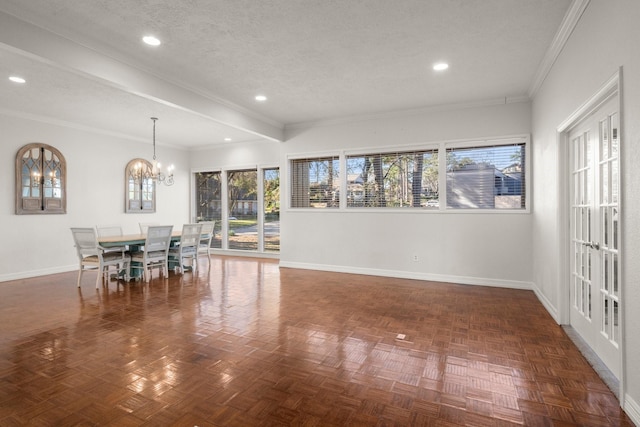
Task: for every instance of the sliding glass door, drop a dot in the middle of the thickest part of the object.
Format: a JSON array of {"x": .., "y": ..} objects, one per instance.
[{"x": 245, "y": 204}]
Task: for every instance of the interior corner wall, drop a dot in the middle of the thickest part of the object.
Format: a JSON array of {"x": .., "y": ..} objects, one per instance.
[
  {"x": 35, "y": 245},
  {"x": 605, "y": 39},
  {"x": 473, "y": 248}
]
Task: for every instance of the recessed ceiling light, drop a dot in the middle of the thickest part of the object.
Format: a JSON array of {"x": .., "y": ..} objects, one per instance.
[
  {"x": 151, "y": 40},
  {"x": 227, "y": 139},
  {"x": 17, "y": 79},
  {"x": 261, "y": 98},
  {"x": 440, "y": 66}
]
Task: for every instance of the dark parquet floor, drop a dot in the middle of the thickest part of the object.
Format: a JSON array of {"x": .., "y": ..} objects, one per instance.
[{"x": 247, "y": 343}]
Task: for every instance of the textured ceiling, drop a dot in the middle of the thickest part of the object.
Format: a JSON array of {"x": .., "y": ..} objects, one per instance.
[{"x": 314, "y": 60}]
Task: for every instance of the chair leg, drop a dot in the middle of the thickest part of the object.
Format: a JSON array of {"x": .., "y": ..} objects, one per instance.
[
  {"x": 79, "y": 276},
  {"x": 100, "y": 275}
]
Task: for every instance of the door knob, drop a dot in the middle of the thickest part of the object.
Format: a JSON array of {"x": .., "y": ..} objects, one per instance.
[{"x": 592, "y": 245}]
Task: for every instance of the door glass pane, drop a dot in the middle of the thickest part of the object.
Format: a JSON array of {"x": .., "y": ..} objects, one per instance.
[
  {"x": 586, "y": 224},
  {"x": 604, "y": 183},
  {"x": 605, "y": 271},
  {"x": 614, "y": 192},
  {"x": 615, "y": 274},
  {"x": 271, "y": 203},
  {"x": 209, "y": 202},
  {"x": 577, "y": 152},
  {"x": 605, "y": 317},
  {"x": 242, "y": 201},
  {"x": 614, "y": 156},
  {"x": 614, "y": 227},
  {"x": 588, "y": 179},
  {"x": 604, "y": 139},
  {"x": 614, "y": 135},
  {"x": 588, "y": 296},
  {"x": 587, "y": 150},
  {"x": 616, "y": 322},
  {"x": 605, "y": 226}
]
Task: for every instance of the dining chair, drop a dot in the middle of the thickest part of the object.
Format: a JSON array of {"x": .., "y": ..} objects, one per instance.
[
  {"x": 188, "y": 247},
  {"x": 206, "y": 235},
  {"x": 145, "y": 225},
  {"x": 110, "y": 230},
  {"x": 93, "y": 256},
  {"x": 155, "y": 253}
]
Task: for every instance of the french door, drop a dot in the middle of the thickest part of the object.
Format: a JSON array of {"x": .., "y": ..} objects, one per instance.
[{"x": 595, "y": 230}]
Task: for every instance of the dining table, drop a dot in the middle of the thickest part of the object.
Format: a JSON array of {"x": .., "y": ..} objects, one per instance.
[
  {"x": 132, "y": 239},
  {"x": 133, "y": 242}
]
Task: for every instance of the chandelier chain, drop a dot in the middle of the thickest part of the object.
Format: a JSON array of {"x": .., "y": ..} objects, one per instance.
[{"x": 154, "y": 136}]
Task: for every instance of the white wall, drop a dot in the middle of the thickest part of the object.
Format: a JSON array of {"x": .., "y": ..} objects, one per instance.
[
  {"x": 606, "y": 38},
  {"x": 469, "y": 248},
  {"x": 42, "y": 244},
  {"x": 236, "y": 155}
]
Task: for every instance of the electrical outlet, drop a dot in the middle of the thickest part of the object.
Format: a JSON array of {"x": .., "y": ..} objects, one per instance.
[
  {"x": 401, "y": 336},
  {"x": 415, "y": 258}
]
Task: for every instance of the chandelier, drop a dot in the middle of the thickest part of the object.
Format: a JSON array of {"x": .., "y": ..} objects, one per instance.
[{"x": 142, "y": 172}]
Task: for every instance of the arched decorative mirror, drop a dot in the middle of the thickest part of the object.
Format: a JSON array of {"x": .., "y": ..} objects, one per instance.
[
  {"x": 41, "y": 179},
  {"x": 140, "y": 187}
]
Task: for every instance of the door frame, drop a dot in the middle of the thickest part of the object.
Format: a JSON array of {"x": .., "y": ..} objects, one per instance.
[{"x": 611, "y": 88}]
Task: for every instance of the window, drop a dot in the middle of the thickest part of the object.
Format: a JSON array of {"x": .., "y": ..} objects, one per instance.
[
  {"x": 393, "y": 180},
  {"x": 315, "y": 182},
  {"x": 209, "y": 201},
  {"x": 473, "y": 175},
  {"x": 486, "y": 177},
  {"x": 140, "y": 189},
  {"x": 40, "y": 180},
  {"x": 271, "y": 203}
]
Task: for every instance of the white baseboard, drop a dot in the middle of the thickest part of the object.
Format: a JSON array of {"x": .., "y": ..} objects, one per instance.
[
  {"x": 64, "y": 269},
  {"x": 246, "y": 254},
  {"x": 632, "y": 409},
  {"x": 553, "y": 311},
  {"x": 464, "y": 280},
  {"x": 36, "y": 273}
]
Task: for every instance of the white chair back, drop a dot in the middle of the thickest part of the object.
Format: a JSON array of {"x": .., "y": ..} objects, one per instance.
[
  {"x": 109, "y": 230},
  {"x": 155, "y": 253},
  {"x": 145, "y": 225},
  {"x": 86, "y": 241},
  {"x": 207, "y": 229},
  {"x": 190, "y": 238},
  {"x": 158, "y": 238},
  {"x": 206, "y": 234}
]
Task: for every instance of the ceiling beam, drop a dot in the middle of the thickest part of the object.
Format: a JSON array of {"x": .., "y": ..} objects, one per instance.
[{"x": 53, "y": 49}]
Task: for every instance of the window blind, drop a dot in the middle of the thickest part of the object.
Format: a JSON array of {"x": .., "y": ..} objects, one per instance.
[
  {"x": 393, "y": 180},
  {"x": 315, "y": 182},
  {"x": 486, "y": 177}
]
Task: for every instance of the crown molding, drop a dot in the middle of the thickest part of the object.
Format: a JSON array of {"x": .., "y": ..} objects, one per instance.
[{"x": 569, "y": 23}]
